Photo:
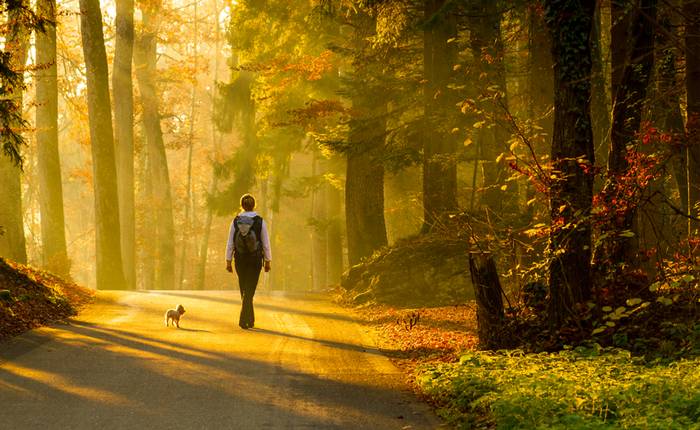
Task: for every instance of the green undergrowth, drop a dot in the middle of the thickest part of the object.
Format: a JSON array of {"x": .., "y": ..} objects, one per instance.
[{"x": 585, "y": 388}]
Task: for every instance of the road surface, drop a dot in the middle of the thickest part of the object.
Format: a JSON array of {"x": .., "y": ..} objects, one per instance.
[{"x": 307, "y": 364}]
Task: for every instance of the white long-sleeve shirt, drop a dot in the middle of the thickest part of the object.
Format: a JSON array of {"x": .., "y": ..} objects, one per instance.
[{"x": 264, "y": 238}]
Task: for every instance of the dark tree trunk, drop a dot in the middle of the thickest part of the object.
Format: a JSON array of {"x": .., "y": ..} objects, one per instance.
[
  {"x": 600, "y": 108},
  {"x": 691, "y": 9},
  {"x": 145, "y": 65},
  {"x": 12, "y": 242},
  {"x": 319, "y": 239},
  {"x": 570, "y": 23},
  {"x": 335, "y": 233},
  {"x": 53, "y": 236},
  {"x": 364, "y": 184},
  {"x": 107, "y": 231},
  {"x": 122, "y": 88},
  {"x": 439, "y": 146},
  {"x": 490, "y": 315},
  {"x": 630, "y": 99},
  {"x": 487, "y": 48}
]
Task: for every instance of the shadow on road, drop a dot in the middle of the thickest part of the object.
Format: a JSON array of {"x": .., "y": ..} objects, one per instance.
[{"x": 94, "y": 371}]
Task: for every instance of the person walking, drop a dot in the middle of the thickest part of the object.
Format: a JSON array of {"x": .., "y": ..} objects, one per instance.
[{"x": 249, "y": 247}]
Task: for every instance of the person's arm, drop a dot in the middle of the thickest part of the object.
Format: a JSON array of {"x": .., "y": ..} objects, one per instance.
[
  {"x": 267, "y": 251},
  {"x": 229, "y": 246}
]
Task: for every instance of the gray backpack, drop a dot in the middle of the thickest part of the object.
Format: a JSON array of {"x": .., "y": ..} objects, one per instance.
[{"x": 246, "y": 236}]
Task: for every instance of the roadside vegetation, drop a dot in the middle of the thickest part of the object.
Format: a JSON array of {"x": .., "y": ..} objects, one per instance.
[{"x": 31, "y": 298}]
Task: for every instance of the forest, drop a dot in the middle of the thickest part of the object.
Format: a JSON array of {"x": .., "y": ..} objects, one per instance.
[{"x": 531, "y": 164}]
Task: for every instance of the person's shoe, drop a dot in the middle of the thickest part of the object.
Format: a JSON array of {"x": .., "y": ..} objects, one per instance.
[{"x": 244, "y": 326}]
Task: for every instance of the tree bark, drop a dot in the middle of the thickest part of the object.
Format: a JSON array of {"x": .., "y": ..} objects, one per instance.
[
  {"x": 335, "y": 233},
  {"x": 107, "y": 229},
  {"x": 487, "y": 48},
  {"x": 319, "y": 239},
  {"x": 12, "y": 241},
  {"x": 600, "y": 108},
  {"x": 691, "y": 9},
  {"x": 626, "y": 119},
  {"x": 570, "y": 24},
  {"x": 439, "y": 146},
  {"x": 122, "y": 88},
  {"x": 53, "y": 236},
  {"x": 145, "y": 64},
  {"x": 490, "y": 315},
  {"x": 364, "y": 184}
]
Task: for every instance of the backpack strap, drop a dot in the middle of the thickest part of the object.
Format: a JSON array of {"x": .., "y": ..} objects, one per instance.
[{"x": 257, "y": 227}]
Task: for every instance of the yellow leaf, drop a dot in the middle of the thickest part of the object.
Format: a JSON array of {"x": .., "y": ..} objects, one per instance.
[
  {"x": 467, "y": 142},
  {"x": 479, "y": 124},
  {"x": 531, "y": 202},
  {"x": 455, "y": 130},
  {"x": 504, "y": 187},
  {"x": 500, "y": 157},
  {"x": 513, "y": 146}
]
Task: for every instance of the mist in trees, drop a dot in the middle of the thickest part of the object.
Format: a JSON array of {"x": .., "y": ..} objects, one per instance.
[{"x": 558, "y": 137}]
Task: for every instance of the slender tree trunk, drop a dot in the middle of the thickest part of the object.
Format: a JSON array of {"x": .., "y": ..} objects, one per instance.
[
  {"x": 204, "y": 246},
  {"x": 335, "y": 233},
  {"x": 691, "y": 9},
  {"x": 487, "y": 48},
  {"x": 626, "y": 119},
  {"x": 600, "y": 109},
  {"x": 145, "y": 64},
  {"x": 188, "y": 235},
  {"x": 12, "y": 241},
  {"x": 107, "y": 231},
  {"x": 319, "y": 213},
  {"x": 122, "y": 89},
  {"x": 364, "y": 184},
  {"x": 439, "y": 146},
  {"x": 53, "y": 236},
  {"x": 570, "y": 23}
]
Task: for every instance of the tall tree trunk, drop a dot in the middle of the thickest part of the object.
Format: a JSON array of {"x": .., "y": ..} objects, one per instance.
[
  {"x": 570, "y": 23},
  {"x": 691, "y": 9},
  {"x": 439, "y": 147},
  {"x": 122, "y": 88},
  {"x": 53, "y": 236},
  {"x": 364, "y": 184},
  {"x": 487, "y": 48},
  {"x": 600, "y": 109},
  {"x": 319, "y": 213},
  {"x": 201, "y": 271},
  {"x": 145, "y": 64},
  {"x": 335, "y": 233},
  {"x": 107, "y": 230},
  {"x": 626, "y": 119},
  {"x": 12, "y": 242},
  {"x": 188, "y": 234}
]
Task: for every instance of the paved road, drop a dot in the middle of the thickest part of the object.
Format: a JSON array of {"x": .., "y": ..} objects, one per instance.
[{"x": 307, "y": 364}]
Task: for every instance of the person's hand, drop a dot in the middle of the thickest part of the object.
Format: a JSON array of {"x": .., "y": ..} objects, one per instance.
[
  {"x": 228, "y": 267},
  {"x": 268, "y": 266}
]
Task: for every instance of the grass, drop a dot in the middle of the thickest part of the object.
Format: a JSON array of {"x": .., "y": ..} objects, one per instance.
[{"x": 585, "y": 388}]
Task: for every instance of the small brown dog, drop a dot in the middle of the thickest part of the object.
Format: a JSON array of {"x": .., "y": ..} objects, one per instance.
[{"x": 174, "y": 314}]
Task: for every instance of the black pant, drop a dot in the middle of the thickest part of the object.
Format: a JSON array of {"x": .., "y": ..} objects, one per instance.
[{"x": 248, "y": 271}]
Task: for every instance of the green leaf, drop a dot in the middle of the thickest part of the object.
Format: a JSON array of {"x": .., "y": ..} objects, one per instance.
[{"x": 633, "y": 302}]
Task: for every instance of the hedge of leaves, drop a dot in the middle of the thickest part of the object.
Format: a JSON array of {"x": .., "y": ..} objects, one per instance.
[{"x": 586, "y": 388}]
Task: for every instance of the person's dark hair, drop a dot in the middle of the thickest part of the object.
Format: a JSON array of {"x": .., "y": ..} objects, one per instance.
[{"x": 247, "y": 202}]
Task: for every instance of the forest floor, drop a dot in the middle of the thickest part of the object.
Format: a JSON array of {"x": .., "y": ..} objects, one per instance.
[
  {"x": 31, "y": 298},
  {"x": 582, "y": 387}
]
